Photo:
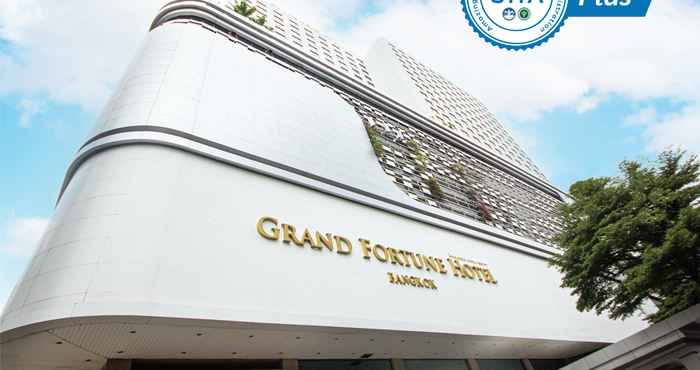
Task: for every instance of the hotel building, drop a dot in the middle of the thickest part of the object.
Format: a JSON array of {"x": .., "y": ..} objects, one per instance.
[{"x": 258, "y": 197}]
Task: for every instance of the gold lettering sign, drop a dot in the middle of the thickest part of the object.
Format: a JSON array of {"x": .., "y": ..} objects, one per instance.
[
  {"x": 270, "y": 228},
  {"x": 411, "y": 280}
]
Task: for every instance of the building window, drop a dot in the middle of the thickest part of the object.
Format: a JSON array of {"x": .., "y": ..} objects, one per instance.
[
  {"x": 435, "y": 365},
  {"x": 345, "y": 365},
  {"x": 500, "y": 365},
  {"x": 547, "y": 364},
  {"x": 205, "y": 364}
]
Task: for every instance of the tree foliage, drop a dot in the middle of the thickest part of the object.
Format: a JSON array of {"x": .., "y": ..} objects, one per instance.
[{"x": 634, "y": 239}]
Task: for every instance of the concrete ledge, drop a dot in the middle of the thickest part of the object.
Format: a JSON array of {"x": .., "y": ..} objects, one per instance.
[{"x": 673, "y": 341}]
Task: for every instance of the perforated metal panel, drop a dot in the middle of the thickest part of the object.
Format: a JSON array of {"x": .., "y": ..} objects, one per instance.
[{"x": 481, "y": 191}]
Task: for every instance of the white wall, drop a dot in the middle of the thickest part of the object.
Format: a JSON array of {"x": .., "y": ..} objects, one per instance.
[
  {"x": 198, "y": 82},
  {"x": 390, "y": 78},
  {"x": 151, "y": 231}
]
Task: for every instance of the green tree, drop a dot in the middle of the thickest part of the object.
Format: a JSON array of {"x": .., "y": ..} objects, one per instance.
[
  {"x": 243, "y": 8},
  {"x": 634, "y": 238}
]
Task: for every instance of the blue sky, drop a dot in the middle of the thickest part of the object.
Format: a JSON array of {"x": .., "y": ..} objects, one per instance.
[
  {"x": 601, "y": 92},
  {"x": 573, "y": 146}
]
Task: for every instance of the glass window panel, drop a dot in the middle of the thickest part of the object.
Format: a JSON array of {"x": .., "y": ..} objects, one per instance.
[
  {"x": 205, "y": 364},
  {"x": 345, "y": 365},
  {"x": 547, "y": 364},
  {"x": 435, "y": 365},
  {"x": 500, "y": 364}
]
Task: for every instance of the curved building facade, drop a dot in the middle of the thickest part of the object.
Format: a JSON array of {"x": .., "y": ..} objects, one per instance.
[{"x": 247, "y": 202}]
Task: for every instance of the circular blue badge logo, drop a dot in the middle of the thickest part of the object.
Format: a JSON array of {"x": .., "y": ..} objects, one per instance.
[
  {"x": 509, "y": 14},
  {"x": 515, "y": 24}
]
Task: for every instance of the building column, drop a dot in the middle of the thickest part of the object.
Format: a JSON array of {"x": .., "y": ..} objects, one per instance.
[
  {"x": 397, "y": 364},
  {"x": 117, "y": 364},
  {"x": 290, "y": 364},
  {"x": 473, "y": 365}
]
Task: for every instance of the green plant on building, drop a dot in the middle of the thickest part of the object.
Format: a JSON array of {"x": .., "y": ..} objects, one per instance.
[
  {"x": 261, "y": 20},
  {"x": 243, "y": 8},
  {"x": 435, "y": 189},
  {"x": 413, "y": 145},
  {"x": 422, "y": 162},
  {"x": 375, "y": 141},
  {"x": 421, "y": 158},
  {"x": 458, "y": 169},
  {"x": 483, "y": 209},
  {"x": 481, "y": 206}
]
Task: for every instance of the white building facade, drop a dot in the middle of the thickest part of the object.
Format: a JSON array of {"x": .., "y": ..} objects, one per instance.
[
  {"x": 245, "y": 204},
  {"x": 419, "y": 87}
]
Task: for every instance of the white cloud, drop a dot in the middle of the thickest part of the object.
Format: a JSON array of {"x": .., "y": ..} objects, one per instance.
[
  {"x": 19, "y": 236},
  {"x": 589, "y": 102},
  {"x": 590, "y": 60},
  {"x": 74, "y": 51},
  {"x": 677, "y": 131},
  {"x": 680, "y": 130},
  {"x": 28, "y": 110},
  {"x": 15, "y": 16},
  {"x": 643, "y": 117},
  {"x": 323, "y": 15}
]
